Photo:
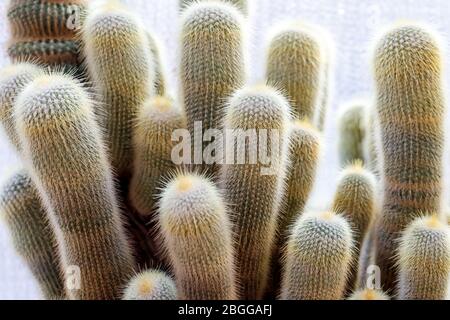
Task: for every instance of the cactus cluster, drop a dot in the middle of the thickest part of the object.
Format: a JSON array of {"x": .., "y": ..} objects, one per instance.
[
  {"x": 102, "y": 209},
  {"x": 45, "y": 31}
]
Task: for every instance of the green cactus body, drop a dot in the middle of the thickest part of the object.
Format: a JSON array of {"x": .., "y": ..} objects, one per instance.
[
  {"x": 160, "y": 77},
  {"x": 197, "y": 233},
  {"x": 253, "y": 194},
  {"x": 46, "y": 31},
  {"x": 156, "y": 121},
  {"x": 410, "y": 110},
  {"x": 13, "y": 80},
  {"x": 424, "y": 260},
  {"x": 317, "y": 258},
  {"x": 295, "y": 64},
  {"x": 369, "y": 294},
  {"x": 352, "y": 133},
  {"x": 32, "y": 236},
  {"x": 118, "y": 59},
  {"x": 240, "y": 4},
  {"x": 63, "y": 149},
  {"x": 355, "y": 199},
  {"x": 151, "y": 285},
  {"x": 212, "y": 66}
]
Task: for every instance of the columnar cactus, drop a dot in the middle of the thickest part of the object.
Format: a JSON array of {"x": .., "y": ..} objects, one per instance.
[
  {"x": 295, "y": 65},
  {"x": 371, "y": 138},
  {"x": 64, "y": 152},
  {"x": 410, "y": 110},
  {"x": 160, "y": 76},
  {"x": 32, "y": 236},
  {"x": 324, "y": 100},
  {"x": 355, "y": 199},
  {"x": 352, "y": 133},
  {"x": 240, "y": 4},
  {"x": 318, "y": 257},
  {"x": 369, "y": 294},
  {"x": 151, "y": 285},
  {"x": 366, "y": 257},
  {"x": 304, "y": 154},
  {"x": 424, "y": 260},
  {"x": 119, "y": 61},
  {"x": 156, "y": 121},
  {"x": 197, "y": 233},
  {"x": 13, "y": 79},
  {"x": 46, "y": 31},
  {"x": 212, "y": 66},
  {"x": 252, "y": 189}
]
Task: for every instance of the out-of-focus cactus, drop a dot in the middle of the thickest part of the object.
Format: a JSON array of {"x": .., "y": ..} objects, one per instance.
[
  {"x": 410, "y": 110},
  {"x": 197, "y": 233},
  {"x": 122, "y": 68},
  {"x": 13, "y": 79},
  {"x": 32, "y": 235},
  {"x": 253, "y": 181},
  {"x": 352, "y": 133},
  {"x": 46, "y": 31},
  {"x": 424, "y": 260},
  {"x": 151, "y": 285},
  {"x": 64, "y": 152},
  {"x": 355, "y": 199},
  {"x": 371, "y": 138},
  {"x": 295, "y": 65},
  {"x": 318, "y": 257},
  {"x": 324, "y": 99},
  {"x": 212, "y": 66},
  {"x": 160, "y": 72},
  {"x": 156, "y": 121},
  {"x": 240, "y": 4},
  {"x": 369, "y": 294}
]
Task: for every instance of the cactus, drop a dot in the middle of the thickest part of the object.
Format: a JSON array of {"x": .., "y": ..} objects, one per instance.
[
  {"x": 322, "y": 108},
  {"x": 160, "y": 77},
  {"x": 424, "y": 260},
  {"x": 318, "y": 257},
  {"x": 212, "y": 66},
  {"x": 63, "y": 150},
  {"x": 295, "y": 65},
  {"x": 304, "y": 147},
  {"x": 32, "y": 236},
  {"x": 410, "y": 110},
  {"x": 304, "y": 154},
  {"x": 240, "y": 4},
  {"x": 155, "y": 123},
  {"x": 252, "y": 189},
  {"x": 46, "y": 31},
  {"x": 151, "y": 285},
  {"x": 197, "y": 233},
  {"x": 119, "y": 62},
  {"x": 352, "y": 133},
  {"x": 371, "y": 137},
  {"x": 369, "y": 294},
  {"x": 355, "y": 199},
  {"x": 13, "y": 80},
  {"x": 366, "y": 256}
]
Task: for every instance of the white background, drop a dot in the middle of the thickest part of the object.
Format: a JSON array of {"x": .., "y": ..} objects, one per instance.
[{"x": 353, "y": 25}]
